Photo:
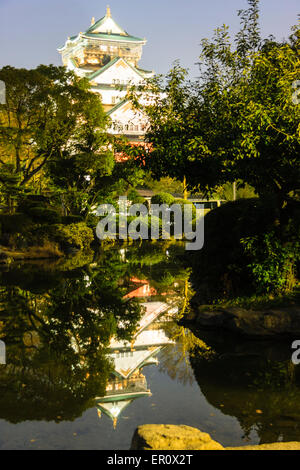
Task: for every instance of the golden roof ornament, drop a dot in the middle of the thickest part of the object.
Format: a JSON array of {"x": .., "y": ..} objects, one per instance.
[
  {"x": 108, "y": 12},
  {"x": 93, "y": 21}
]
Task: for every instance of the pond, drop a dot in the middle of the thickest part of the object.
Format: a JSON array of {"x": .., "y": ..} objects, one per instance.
[{"x": 96, "y": 346}]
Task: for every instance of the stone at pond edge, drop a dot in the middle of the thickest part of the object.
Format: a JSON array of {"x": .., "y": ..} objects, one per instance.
[
  {"x": 171, "y": 437},
  {"x": 263, "y": 323}
]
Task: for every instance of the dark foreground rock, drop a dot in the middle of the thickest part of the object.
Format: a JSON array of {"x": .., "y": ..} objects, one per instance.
[
  {"x": 283, "y": 321},
  {"x": 171, "y": 437}
]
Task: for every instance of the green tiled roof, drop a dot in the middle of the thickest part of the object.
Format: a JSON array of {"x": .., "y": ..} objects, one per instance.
[
  {"x": 133, "y": 68},
  {"x": 116, "y": 107},
  {"x": 90, "y": 33},
  {"x": 113, "y": 37},
  {"x": 105, "y": 67},
  {"x": 105, "y": 86},
  {"x": 73, "y": 62},
  {"x": 99, "y": 23},
  {"x": 144, "y": 71},
  {"x": 112, "y": 62},
  {"x": 107, "y": 37}
]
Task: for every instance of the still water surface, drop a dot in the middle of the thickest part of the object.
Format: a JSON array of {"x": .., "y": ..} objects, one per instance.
[{"x": 95, "y": 348}]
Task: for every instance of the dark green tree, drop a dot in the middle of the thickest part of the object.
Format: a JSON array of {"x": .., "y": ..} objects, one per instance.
[
  {"x": 51, "y": 121},
  {"x": 239, "y": 121}
]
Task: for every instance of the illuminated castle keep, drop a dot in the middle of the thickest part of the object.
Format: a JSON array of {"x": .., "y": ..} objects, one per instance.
[{"x": 108, "y": 57}]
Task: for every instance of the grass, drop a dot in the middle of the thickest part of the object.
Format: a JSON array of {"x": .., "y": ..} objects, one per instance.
[{"x": 256, "y": 302}]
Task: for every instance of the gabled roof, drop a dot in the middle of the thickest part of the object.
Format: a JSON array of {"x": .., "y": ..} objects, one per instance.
[
  {"x": 114, "y": 406},
  {"x": 114, "y": 37},
  {"x": 105, "y": 67},
  {"x": 106, "y": 29},
  {"x": 107, "y": 86},
  {"x": 111, "y": 63},
  {"x": 119, "y": 105},
  {"x": 124, "y": 367},
  {"x": 107, "y": 25},
  {"x": 145, "y": 72}
]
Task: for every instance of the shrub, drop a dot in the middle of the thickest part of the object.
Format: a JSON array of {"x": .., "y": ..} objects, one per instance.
[
  {"x": 163, "y": 198},
  {"x": 44, "y": 215},
  {"x": 39, "y": 210},
  {"x": 135, "y": 198},
  {"x": 16, "y": 223},
  {"x": 73, "y": 235},
  {"x": 71, "y": 219},
  {"x": 29, "y": 202},
  {"x": 183, "y": 202},
  {"x": 145, "y": 224},
  {"x": 248, "y": 250},
  {"x": 273, "y": 265}
]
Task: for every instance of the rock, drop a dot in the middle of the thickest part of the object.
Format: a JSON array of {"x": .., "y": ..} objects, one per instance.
[
  {"x": 275, "y": 446},
  {"x": 171, "y": 437},
  {"x": 261, "y": 323}
]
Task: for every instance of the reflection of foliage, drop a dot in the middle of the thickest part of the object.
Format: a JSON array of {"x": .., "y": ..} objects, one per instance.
[
  {"x": 159, "y": 263},
  {"x": 274, "y": 376},
  {"x": 57, "y": 322},
  {"x": 147, "y": 254},
  {"x": 175, "y": 359},
  {"x": 263, "y": 394},
  {"x": 64, "y": 366}
]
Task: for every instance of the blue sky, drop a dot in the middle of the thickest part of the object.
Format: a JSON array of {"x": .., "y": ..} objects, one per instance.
[{"x": 31, "y": 30}]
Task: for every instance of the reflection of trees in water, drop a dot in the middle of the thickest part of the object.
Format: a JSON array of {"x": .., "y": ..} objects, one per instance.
[
  {"x": 159, "y": 263},
  {"x": 57, "y": 322},
  {"x": 263, "y": 394},
  {"x": 175, "y": 358},
  {"x": 57, "y": 340}
]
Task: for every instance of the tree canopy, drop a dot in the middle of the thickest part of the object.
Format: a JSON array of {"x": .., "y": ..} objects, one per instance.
[{"x": 237, "y": 121}]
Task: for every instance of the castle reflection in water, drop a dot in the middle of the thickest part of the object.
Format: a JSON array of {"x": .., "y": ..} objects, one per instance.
[{"x": 128, "y": 383}]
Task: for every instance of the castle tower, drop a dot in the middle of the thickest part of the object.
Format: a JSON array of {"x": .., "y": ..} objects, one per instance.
[{"x": 108, "y": 57}]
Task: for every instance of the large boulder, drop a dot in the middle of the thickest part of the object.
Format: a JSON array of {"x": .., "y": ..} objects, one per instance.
[
  {"x": 171, "y": 437},
  {"x": 263, "y": 323}
]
